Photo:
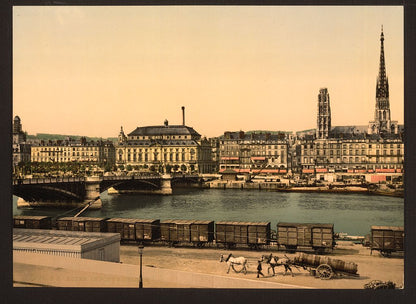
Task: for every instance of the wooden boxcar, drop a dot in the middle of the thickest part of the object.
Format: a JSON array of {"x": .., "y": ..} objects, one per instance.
[
  {"x": 65, "y": 223},
  {"x": 32, "y": 222},
  {"x": 252, "y": 234},
  {"x": 175, "y": 231},
  {"x": 387, "y": 239},
  {"x": 319, "y": 237},
  {"x": 147, "y": 230},
  {"x": 88, "y": 224},
  {"x": 134, "y": 229},
  {"x": 202, "y": 232}
]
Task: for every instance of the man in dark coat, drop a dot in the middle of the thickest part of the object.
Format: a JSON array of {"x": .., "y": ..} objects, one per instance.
[{"x": 259, "y": 269}]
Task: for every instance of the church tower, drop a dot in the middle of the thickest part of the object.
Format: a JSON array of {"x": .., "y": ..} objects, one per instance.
[
  {"x": 18, "y": 135},
  {"x": 324, "y": 115},
  {"x": 122, "y": 138},
  {"x": 382, "y": 123}
]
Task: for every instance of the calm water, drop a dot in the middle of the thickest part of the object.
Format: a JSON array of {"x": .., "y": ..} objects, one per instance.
[{"x": 351, "y": 213}]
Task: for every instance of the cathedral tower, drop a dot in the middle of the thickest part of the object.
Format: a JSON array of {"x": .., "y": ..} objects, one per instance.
[
  {"x": 382, "y": 123},
  {"x": 324, "y": 115}
]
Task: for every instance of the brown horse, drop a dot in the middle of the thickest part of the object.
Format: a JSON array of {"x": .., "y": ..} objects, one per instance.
[{"x": 275, "y": 261}]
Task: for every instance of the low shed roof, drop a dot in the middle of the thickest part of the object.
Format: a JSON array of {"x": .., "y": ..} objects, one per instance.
[{"x": 61, "y": 239}]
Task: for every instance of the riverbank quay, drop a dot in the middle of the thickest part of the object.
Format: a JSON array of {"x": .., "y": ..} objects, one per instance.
[
  {"x": 276, "y": 186},
  {"x": 42, "y": 270},
  {"x": 370, "y": 266},
  {"x": 167, "y": 267}
]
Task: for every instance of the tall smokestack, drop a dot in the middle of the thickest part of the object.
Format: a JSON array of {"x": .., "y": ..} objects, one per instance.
[{"x": 183, "y": 115}]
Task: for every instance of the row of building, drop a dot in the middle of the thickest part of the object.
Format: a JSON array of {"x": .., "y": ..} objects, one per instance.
[{"x": 376, "y": 147}]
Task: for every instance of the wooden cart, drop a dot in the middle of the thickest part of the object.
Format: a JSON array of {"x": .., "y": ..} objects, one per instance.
[{"x": 324, "y": 267}]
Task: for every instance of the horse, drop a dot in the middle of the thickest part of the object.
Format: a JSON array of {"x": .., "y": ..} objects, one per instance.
[
  {"x": 231, "y": 261},
  {"x": 275, "y": 261}
]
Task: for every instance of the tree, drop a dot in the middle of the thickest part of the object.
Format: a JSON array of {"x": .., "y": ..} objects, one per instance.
[
  {"x": 183, "y": 168},
  {"x": 168, "y": 168},
  {"x": 108, "y": 167},
  {"x": 121, "y": 167},
  {"x": 129, "y": 168}
]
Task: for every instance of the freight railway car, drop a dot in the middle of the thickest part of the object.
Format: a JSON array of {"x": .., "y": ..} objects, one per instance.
[
  {"x": 319, "y": 237},
  {"x": 187, "y": 231},
  {"x": 32, "y": 222},
  {"x": 291, "y": 236},
  {"x": 135, "y": 229},
  {"x": 88, "y": 224},
  {"x": 202, "y": 232},
  {"x": 387, "y": 239},
  {"x": 252, "y": 234}
]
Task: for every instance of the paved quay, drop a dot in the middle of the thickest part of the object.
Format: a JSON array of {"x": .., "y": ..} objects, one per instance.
[{"x": 33, "y": 269}]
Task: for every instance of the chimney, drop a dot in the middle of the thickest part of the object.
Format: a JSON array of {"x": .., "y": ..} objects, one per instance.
[{"x": 183, "y": 115}]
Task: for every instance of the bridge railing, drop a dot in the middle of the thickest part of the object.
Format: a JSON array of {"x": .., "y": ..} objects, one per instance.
[
  {"x": 51, "y": 180},
  {"x": 47, "y": 180},
  {"x": 128, "y": 177}
]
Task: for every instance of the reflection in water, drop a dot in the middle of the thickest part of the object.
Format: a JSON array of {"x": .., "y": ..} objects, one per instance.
[{"x": 351, "y": 213}]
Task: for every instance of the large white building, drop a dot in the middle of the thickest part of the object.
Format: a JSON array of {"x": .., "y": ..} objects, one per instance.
[{"x": 165, "y": 148}]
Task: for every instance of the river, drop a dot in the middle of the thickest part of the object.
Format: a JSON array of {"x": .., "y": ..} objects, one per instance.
[{"x": 350, "y": 213}]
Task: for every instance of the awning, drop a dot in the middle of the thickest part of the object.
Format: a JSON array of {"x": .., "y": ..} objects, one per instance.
[
  {"x": 229, "y": 158},
  {"x": 258, "y": 158},
  {"x": 385, "y": 170}
]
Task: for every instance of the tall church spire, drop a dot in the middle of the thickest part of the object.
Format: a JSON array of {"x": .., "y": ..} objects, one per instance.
[
  {"x": 382, "y": 121},
  {"x": 382, "y": 89}
]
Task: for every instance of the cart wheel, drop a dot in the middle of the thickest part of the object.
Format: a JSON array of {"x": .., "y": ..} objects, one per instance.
[{"x": 324, "y": 271}]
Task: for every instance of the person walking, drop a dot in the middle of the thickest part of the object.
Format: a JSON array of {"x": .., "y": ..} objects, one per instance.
[{"x": 259, "y": 268}]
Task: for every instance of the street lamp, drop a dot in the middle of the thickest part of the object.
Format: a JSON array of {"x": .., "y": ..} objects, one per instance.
[{"x": 141, "y": 254}]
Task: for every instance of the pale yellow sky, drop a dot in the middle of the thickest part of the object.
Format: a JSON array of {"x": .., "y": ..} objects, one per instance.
[{"x": 89, "y": 70}]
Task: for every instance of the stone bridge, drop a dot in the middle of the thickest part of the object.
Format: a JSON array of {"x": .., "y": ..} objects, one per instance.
[{"x": 78, "y": 191}]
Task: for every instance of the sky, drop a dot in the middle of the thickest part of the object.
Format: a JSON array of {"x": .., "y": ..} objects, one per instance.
[{"x": 88, "y": 70}]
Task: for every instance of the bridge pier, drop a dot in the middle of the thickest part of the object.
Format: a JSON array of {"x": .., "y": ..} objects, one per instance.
[
  {"x": 166, "y": 187},
  {"x": 92, "y": 192}
]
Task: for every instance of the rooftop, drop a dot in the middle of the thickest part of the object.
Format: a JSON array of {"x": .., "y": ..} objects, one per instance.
[{"x": 164, "y": 130}]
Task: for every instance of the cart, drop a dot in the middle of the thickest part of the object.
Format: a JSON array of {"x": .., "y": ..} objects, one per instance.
[{"x": 324, "y": 267}]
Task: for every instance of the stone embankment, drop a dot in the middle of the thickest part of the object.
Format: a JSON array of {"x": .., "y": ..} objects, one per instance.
[{"x": 275, "y": 186}]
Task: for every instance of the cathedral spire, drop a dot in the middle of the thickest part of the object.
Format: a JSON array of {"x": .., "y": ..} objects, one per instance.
[
  {"x": 382, "y": 89},
  {"x": 382, "y": 121}
]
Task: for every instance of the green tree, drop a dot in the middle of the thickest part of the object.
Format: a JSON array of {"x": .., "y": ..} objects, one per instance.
[
  {"x": 108, "y": 167},
  {"x": 129, "y": 168}
]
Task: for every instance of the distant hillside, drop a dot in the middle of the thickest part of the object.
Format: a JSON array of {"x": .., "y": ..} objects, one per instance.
[{"x": 44, "y": 136}]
